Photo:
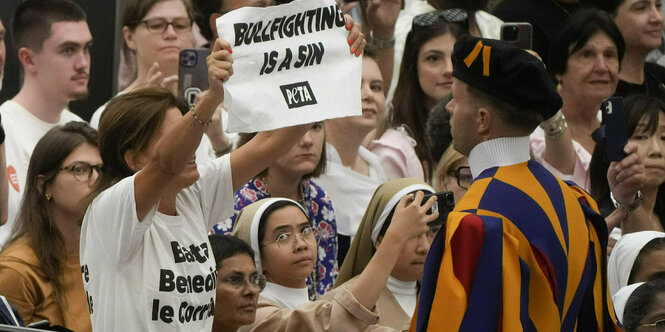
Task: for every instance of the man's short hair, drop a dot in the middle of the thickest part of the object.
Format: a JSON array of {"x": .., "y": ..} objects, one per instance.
[
  {"x": 523, "y": 119},
  {"x": 32, "y": 20}
]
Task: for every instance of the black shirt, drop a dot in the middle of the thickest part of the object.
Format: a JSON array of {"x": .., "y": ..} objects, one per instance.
[{"x": 654, "y": 79}]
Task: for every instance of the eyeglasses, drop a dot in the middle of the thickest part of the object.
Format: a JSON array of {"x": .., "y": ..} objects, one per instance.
[
  {"x": 659, "y": 325},
  {"x": 454, "y": 15},
  {"x": 463, "y": 176},
  {"x": 81, "y": 170},
  {"x": 308, "y": 235},
  {"x": 238, "y": 280},
  {"x": 160, "y": 24}
]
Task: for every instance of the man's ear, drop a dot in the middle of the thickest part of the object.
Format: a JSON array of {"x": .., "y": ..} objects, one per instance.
[
  {"x": 484, "y": 121},
  {"x": 27, "y": 58},
  {"x": 213, "y": 26}
]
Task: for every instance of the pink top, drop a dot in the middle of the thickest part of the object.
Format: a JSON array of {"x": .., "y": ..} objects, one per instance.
[
  {"x": 580, "y": 173},
  {"x": 396, "y": 152}
]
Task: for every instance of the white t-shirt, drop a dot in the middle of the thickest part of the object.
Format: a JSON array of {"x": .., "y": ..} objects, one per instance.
[
  {"x": 23, "y": 130},
  {"x": 349, "y": 190},
  {"x": 158, "y": 274}
]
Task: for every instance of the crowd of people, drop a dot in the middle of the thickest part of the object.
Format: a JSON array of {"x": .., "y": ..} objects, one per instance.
[{"x": 152, "y": 216}]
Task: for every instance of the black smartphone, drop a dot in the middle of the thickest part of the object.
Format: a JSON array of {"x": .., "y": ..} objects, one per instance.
[
  {"x": 519, "y": 34},
  {"x": 445, "y": 202},
  {"x": 192, "y": 74},
  {"x": 615, "y": 137}
]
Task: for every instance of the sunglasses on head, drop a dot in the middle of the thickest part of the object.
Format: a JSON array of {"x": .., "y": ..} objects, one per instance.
[{"x": 454, "y": 15}]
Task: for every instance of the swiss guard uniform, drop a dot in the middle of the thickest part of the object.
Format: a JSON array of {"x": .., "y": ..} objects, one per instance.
[{"x": 523, "y": 250}]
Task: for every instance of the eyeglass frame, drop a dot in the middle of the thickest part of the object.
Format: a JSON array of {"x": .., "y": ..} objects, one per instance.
[
  {"x": 453, "y": 15},
  {"x": 166, "y": 27},
  {"x": 259, "y": 281},
  {"x": 457, "y": 172},
  {"x": 302, "y": 237},
  {"x": 70, "y": 169},
  {"x": 654, "y": 324}
]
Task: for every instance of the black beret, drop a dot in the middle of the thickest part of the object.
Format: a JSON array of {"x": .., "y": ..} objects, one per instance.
[{"x": 506, "y": 72}]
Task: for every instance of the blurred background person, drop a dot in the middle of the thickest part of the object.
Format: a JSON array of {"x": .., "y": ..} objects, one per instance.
[
  {"x": 585, "y": 59},
  {"x": 39, "y": 266},
  {"x": 352, "y": 171},
  {"x": 425, "y": 77}
]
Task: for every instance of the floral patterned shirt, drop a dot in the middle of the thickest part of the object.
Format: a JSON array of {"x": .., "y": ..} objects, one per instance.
[{"x": 320, "y": 211}]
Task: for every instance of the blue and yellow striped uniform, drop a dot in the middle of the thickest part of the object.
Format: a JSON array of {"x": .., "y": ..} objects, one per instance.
[{"x": 522, "y": 251}]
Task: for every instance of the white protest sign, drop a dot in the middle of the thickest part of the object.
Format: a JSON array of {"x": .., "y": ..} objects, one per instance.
[{"x": 291, "y": 65}]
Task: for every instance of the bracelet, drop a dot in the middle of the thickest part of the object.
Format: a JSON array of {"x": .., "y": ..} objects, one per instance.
[
  {"x": 628, "y": 207},
  {"x": 382, "y": 44},
  {"x": 555, "y": 126},
  {"x": 219, "y": 153},
  {"x": 196, "y": 118}
]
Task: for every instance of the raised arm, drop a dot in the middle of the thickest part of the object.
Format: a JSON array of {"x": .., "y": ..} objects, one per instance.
[
  {"x": 410, "y": 220},
  {"x": 177, "y": 145},
  {"x": 380, "y": 18}
]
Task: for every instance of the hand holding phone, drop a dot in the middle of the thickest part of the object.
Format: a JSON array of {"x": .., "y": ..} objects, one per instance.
[
  {"x": 192, "y": 74},
  {"x": 614, "y": 131},
  {"x": 519, "y": 34}
]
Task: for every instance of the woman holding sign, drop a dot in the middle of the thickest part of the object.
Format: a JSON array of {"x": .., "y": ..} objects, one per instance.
[{"x": 144, "y": 247}]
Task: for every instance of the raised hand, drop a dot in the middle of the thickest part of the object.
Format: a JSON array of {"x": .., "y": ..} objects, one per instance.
[
  {"x": 381, "y": 16},
  {"x": 355, "y": 38}
]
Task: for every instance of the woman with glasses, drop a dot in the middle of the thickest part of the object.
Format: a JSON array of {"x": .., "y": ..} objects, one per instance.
[
  {"x": 453, "y": 173},
  {"x": 645, "y": 308},
  {"x": 291, "y": 176},
  {"x": 155, "y": 31},
  {"x": 284, "y": 242},
  {"x": 238, "y": 283},
  {"x": 39, "y": 266},
  {"x": 399, "y": 295},
  {"x": 425, "y": 76}
]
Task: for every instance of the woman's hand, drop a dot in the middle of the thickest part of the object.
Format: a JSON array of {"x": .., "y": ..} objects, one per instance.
[
  {"x": 627, "y": 176},
  {"x": 220, "y": 68},
  {"x": 156, "y": 77},
  {"x": 410, "y": 218},
  {"x": 356, "y": 38}
]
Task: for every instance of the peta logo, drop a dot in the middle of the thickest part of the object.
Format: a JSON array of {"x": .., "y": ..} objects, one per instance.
[{"x": 298, "y": 94}]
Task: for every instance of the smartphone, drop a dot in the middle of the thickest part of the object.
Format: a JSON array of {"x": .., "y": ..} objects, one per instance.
[
  {"x": 192, "y": 74},
  {"x": 445, "y": 203},
  {"x": 519, "y": 34},
  {"x": 615, "y": 137}
]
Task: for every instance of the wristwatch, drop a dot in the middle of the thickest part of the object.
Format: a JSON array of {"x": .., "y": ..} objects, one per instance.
[
  {"x": 382, "y": 44},
  {"x": 628, "y": 207}
]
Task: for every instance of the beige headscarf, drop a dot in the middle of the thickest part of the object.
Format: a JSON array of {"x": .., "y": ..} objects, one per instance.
[
  {"x": 247, "y": 225},
  {"x": 384, "y": 200}
]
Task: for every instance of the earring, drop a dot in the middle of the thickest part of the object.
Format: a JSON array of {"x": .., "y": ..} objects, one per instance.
[{"x": 48, "y": 197}]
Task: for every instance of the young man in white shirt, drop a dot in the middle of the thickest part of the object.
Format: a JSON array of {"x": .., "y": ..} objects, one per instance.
[{"x": 53, "y": 42}]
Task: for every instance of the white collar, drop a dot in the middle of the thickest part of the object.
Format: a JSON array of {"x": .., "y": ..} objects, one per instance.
[
  {"x": 502, "y": 151},
  {"x": 286, "y": 297},
  {"x": 400, "y": 287}
]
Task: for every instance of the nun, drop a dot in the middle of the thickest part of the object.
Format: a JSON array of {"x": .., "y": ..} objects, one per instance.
[
  {"x": 399, "y": 294},
  {"x": 281, "y": 235}
]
